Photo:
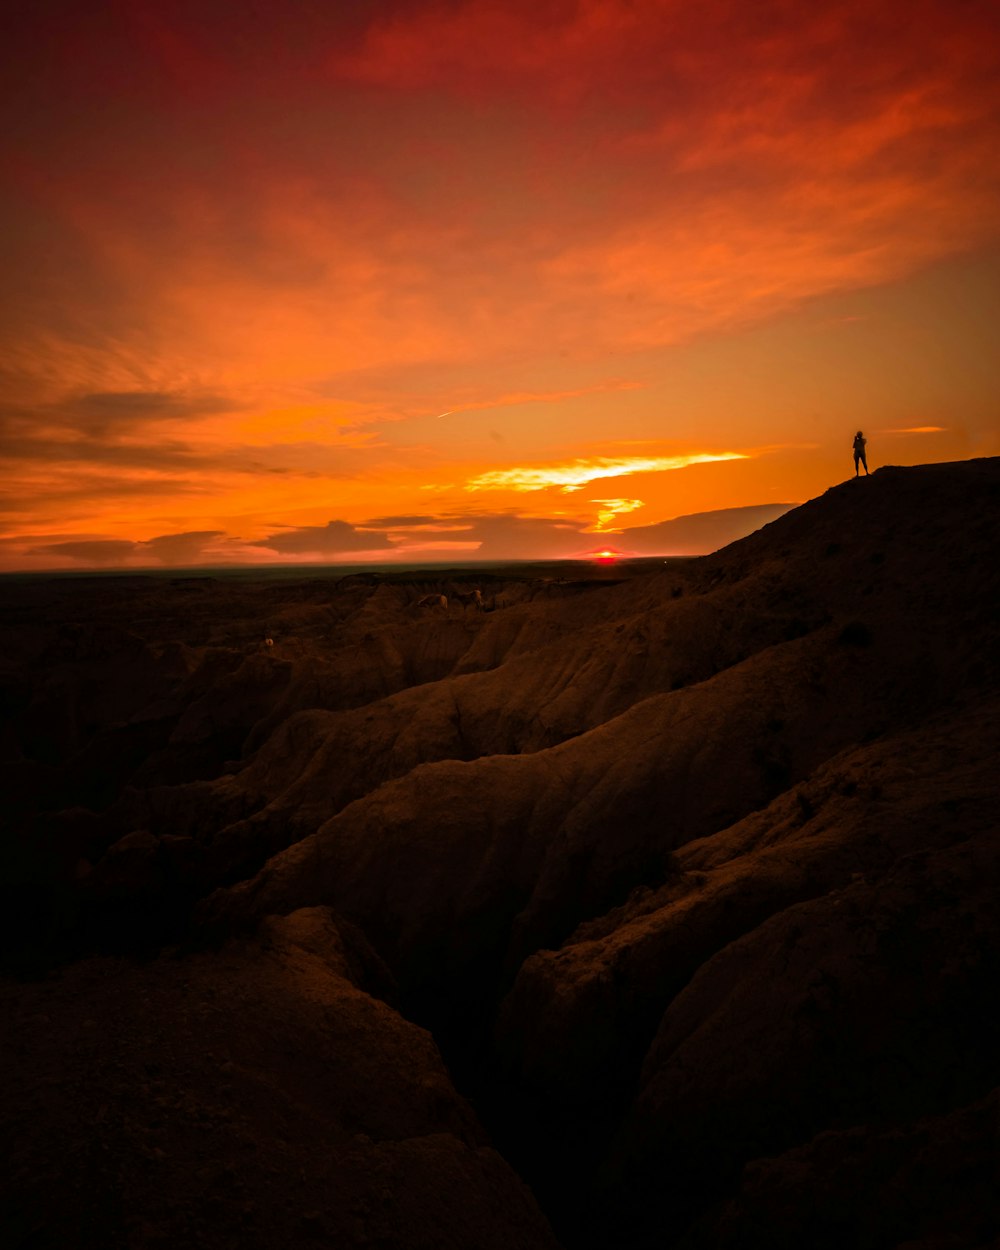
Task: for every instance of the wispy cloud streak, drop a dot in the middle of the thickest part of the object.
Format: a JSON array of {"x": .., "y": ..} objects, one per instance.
[
  {"x": 916, "y": 429},
  {"x": 576, "y": 474}
]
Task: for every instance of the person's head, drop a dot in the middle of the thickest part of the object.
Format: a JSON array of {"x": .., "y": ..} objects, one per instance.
[{"x": 859, "y": 435}]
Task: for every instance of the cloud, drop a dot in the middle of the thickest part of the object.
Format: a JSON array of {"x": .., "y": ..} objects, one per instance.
[
  {"x": 101, "y": 551},
  {"x": 144, "y": 405},
  {"x": 610, "y": 509},
  {"x": 507, "y": 535},
  {"x": 164, "y": 454},
  {"x": 512, "y": 536},
  {"x": 576, "y": 474},
  {"x": 917, "y": 429},
  {"x": 75, "y": 496},
  {"x": 516, "y": 537},
  {"x": 185, "y": 548},
  {"x": 700, "y": 532},
  {"x": 514, "y": 399},
  {"x": 475, "y": 535},
  {"x": 398, "y": 522},
  {"x": 334, "y": 538}
]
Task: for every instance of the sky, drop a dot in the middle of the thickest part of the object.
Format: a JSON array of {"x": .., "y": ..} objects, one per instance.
[{"x": 402, "y": 280}]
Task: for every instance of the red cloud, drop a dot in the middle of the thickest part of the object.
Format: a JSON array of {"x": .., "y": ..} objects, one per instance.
[{"x": 334, "y": 538}]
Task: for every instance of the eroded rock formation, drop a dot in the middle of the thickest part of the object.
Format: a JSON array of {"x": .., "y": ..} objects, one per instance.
[
  {"x": 690, "y": 872},
  {"x": 254, "y": 1095}
]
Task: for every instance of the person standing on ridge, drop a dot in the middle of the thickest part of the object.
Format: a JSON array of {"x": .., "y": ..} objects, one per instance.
[{"x": 860, "y": 442}]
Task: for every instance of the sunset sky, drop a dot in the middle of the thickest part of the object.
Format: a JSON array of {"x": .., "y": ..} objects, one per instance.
[{"x": 389, "y": 279}]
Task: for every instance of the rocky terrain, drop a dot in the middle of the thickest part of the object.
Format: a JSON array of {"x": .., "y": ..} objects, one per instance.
[{"x": 652, "y": 906}]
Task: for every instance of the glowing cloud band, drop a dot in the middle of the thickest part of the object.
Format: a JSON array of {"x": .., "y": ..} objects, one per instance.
[
  {"x": 917, "y": 429},
  {"x": 577, "y": 474},
  {"x": 609, "y": 509}
]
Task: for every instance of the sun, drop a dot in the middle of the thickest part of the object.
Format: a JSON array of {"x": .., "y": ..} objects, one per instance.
[{"x": 606, "y": 556}]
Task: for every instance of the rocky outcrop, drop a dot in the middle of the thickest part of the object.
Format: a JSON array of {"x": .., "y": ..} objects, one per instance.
[
  {"x": 543, "y": 841},
  {"x": 863, "y": 1007},
  {"x": 872, "y": 618},
  {"x": 927, "y": 1183},
  {"x": 255, "y": 1095},
  {"x": 594, "y": 1004}
]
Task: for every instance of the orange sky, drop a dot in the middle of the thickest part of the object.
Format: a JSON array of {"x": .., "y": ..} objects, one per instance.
[{"x": 409, "y": 280}]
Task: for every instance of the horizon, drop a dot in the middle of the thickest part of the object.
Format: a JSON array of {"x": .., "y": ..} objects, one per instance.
[
  {"x": 343, "y": 568},
  {"x": 702, "y": 533},
  {"x": 427, "y": 283}
]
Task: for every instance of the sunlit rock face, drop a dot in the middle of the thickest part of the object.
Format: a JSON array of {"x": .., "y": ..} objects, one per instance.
[{"x": 686, "y": 866}]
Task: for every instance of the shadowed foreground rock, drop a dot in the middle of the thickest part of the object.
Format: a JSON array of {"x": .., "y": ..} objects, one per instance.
[
  {"x": 254, "y": 1095},
  {"x": 875, "y": 1017},
  {"x": 929, "y": 1183}
]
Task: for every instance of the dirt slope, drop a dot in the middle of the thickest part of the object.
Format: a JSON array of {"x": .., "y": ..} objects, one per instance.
[
  {"x": 690, "y": 874},
  {"x": 256, "y": 1095}
]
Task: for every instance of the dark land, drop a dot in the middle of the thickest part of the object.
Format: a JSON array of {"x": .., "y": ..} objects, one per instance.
[{"x": 653, "y": 906}]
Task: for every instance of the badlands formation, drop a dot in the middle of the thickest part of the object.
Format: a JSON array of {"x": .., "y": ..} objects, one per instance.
[{"x": 651, "y": 911}]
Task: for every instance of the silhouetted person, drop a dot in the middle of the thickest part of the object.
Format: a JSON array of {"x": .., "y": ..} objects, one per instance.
[{"x": 860, "y": 442}]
